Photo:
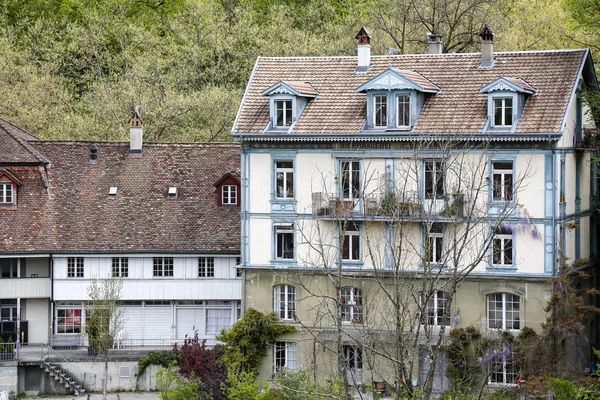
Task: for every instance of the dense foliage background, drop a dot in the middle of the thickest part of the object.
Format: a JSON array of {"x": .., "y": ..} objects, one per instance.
[{"x": 74, "y": 69}]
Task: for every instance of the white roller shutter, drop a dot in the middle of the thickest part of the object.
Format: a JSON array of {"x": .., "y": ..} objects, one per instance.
[
  {"x": 157, "y": 322},
  {"x": 132, "y": 327},
  {"x": 190, "y": 320}
]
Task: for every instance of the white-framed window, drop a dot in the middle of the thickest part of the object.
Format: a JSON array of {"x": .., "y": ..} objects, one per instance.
[
  {"x": 283, "y": 113},
  {"x": 8, "y": 310},
  {"x": 353, "y": 356},
  {"x": 351, "y": 304},
  {"x": 284, "y": 179},
  {"x": 217, "y": 319},
  {"x": 284, "y": 241},
  {"x": 206, "y": 267},
  {"x": 351, "y": 247},
  {"x": 502, "y": 247},
  {"x": 284, "y": 299},
  {"x": 502, "y": 179},
  {"x": 229, "y": 195},
  {"x": 437, "y": 309},
  {"x": 504, "y": 311},
  {"x": 284, "y": 356},
  {"x": 503, "y": 111},
  {"x": 350, "y": 180},
  {"x": 435, "y": 243},
  {"x": 162, "y": 266},
  {"x": 380, "y": 114},
  {"x": 7, "y": 191},
  {"x": 75, "y": 267},
  {"x": 434, "y": 179},
  {"x": 403, "y": 110},
  {"x": 120, "y": 267},
  {"x": 68, "y": 319},
  {"x": 503, "y": 371}
]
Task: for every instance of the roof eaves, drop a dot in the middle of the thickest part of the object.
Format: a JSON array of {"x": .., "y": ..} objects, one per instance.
[
  {"x": 243, "y": 102},
  {"x": 585, "y": 55},
  {"x": 333, "y": 137}
]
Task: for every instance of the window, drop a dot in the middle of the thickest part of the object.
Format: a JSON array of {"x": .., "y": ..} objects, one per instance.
[
  {"x": 8, "y": 267},
  {"x": 350, "y": 180},
  {"x": 503, "y": 371},
  {"x": 8, "y": 310},
  {"x": 435, "y": 242},
  {"x": 380, "y": 115},
  {"x": 504, "y": 311},
  {"x": 284, "y": 177},
  {"x": 229, "y": 195},
  {"x": 285, "y": 301},
  {"x": 239, "y": 272},
  {"x": 437, "y": 309},
  {"x": 6, "y": 193},
  {"x": 351, "y": 249},
  {"x": 502, "y": 247},
  {"x": 502, "y": 174},
  {"x": 353, "y": 356},
  {"x": 284, "y": 242},
  {"x": 503, "y": 112},
  {"x": 68, "y": 320},
  {"x": 162, "y": 266},
  {"x": 217, "y": 319},
  {"x": 403, "y": 110},
  {"x": 434, "y": 179},
  {"x": 75, "y": 267},
  {"x": 284, "y": 356},
  {"x": 284, "y": 113},
  {"x": 206, "y": 267},
  {"x": 351, "y": 304},
  {"x": 120, "y": 267}
]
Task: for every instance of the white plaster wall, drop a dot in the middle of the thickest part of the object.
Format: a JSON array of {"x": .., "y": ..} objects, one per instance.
[
  {"x": 585, "y": 182},
  {"x": 567, "y": 139},
  {"x": 260, "y": 178},
  {"x": 530, "y": 177},
  {"x": 373, "y": 170},
  {"x": 37, "y": 313},
  {"x": 261, "y": 239},
  {"x": 314, "y": 173},
  {"x": 570, "y": 182},
  {"x": 587, "y": 120},
  {"x": 570, "y": 243},
  {"x": 530, "y": 249},
  {"x": 406, "y": 175}
]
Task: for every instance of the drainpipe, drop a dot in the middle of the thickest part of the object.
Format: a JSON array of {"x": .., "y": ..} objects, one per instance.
[
  {"x": 554, "y": 254},
  {"x": 243, "y": 216},
  {"x": 51, "y": 298}
]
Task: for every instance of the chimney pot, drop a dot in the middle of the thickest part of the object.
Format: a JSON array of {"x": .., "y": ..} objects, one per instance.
[
  {"x": 487, "y": 47},
  {"x": 363, "y": 41},
  {"x": 135, "y": 133},
  {"x": 435, "y": 43},
  {"x": 93, "y": 152}
]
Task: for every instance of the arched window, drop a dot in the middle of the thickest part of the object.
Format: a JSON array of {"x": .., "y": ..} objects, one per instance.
[{"x": 284, "y": 297}]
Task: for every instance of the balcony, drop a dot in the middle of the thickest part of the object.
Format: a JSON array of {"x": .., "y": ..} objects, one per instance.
[
  {"x": 387, "y": 207},
  {"x": 25, "y": 288}
]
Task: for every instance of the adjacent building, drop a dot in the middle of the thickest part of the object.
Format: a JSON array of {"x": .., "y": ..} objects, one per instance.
[{"x": 386, "y": 197}]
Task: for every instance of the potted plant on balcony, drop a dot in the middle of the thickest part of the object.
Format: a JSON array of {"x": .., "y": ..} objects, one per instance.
[{"x": 389, "y": 204}]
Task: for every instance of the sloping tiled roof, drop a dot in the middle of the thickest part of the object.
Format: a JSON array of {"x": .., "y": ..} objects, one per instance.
[
  {"x": 14, "y": 148},
  {"x": 303, "y": 87},
  {"x": 458, "y": 108},
  {"x": 521, "y": 83},
  {"x": 80, "y": 216},
  {"x": 418, "y": 79}
]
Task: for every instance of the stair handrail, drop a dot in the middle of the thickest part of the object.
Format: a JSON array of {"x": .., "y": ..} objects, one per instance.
[{"x": 74, "y": 373}]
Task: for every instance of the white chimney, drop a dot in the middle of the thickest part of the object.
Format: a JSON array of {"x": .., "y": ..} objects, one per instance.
[
  {"x": 363, "y": 42},
  {"x": 135, "y": 133},
  {"x": 487, "y": 47},
  {"x": 435, "y": 43}
]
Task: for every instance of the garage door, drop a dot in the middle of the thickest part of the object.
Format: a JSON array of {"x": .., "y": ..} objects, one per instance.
[
  {"x": 190, "y": 320},
  {"x": 158, "y": 322},
  {"x": 132, "y": 327}
]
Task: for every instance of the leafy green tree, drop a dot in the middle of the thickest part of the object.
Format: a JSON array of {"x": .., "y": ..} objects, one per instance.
[{"x": 172, "y": 386}]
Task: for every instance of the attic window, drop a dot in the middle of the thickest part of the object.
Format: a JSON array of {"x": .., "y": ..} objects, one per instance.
[
  {"x": 506, "y": 100},
  {"x": 172, "y": 191},
  {"x": 112, "y": 191},
  {"x": 6, "y": 193},
  {"x": 288, "y": 99},
  {"x": 284, "y": 113}
]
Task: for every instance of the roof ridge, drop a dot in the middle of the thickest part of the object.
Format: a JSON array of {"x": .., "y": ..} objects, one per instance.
[{"x": 109, "y": 143}]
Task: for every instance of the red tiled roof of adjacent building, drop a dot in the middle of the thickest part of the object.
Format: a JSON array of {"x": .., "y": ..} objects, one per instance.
[
  {"x": 458, "y": 108},
  {"x": 77, "y": 215},
  {"x": 14, "y": 148}
]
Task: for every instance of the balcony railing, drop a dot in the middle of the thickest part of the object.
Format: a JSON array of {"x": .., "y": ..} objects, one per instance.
[{"x": 387, "y": 207}]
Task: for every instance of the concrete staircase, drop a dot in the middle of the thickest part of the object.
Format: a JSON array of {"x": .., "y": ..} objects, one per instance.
[{"x": 62, "y": 370}]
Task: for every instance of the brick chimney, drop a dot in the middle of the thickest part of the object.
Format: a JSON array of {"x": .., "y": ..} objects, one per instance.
[
  {"x": 435, "y": 43},
  {"x": 487, "y": 47},
  {"x": 135, "y": 133},
  {"x": 363, "y": 43}
]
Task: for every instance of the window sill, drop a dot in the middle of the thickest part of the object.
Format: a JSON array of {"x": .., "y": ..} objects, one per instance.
[
  {"x": 283, "y": 261},
  {"x": 501, "y": 268}
]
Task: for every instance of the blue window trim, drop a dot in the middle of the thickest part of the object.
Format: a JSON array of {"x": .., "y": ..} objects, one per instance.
[
  {"x": 273, "y": 113},
  {"x": 392, "y": 104},
  {"x": 283, "y": 204},
  {"x": 498, "y": 206},
  {"x": 360, "y": 261},
  {"x": 339, "y": 194},
  {"x": 422, "y": 175},
  {"x": 424, "y": 235},
  {"x": 503, "y": 268},
  {"x": 503, "y": 94},
  {"x": 274, "y": 259}
]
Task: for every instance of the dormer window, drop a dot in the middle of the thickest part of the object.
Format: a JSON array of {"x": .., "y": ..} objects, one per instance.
[
  {"x": 8, "y": 188},
  {"x": 6, "y": 193},
  {"x": 506, "y": 100},
  {"x": 395, "y": 99},
  {"x": 284, "y": 113},
  {"x": 228, "y": 189},
  {"x": 287, "y": 100}
]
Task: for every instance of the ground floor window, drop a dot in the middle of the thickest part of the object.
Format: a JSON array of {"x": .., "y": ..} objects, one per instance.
[
  {"x": 8, "y": 310},
  {"x": 217, "y": 319},
  {"x": 503, "y": 371},
  {"x": 285, "y": 356},
  {"x": 68, "y": 320}
]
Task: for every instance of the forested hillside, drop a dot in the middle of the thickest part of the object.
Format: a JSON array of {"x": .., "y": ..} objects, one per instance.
[{"x": 74, "y": 69}]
